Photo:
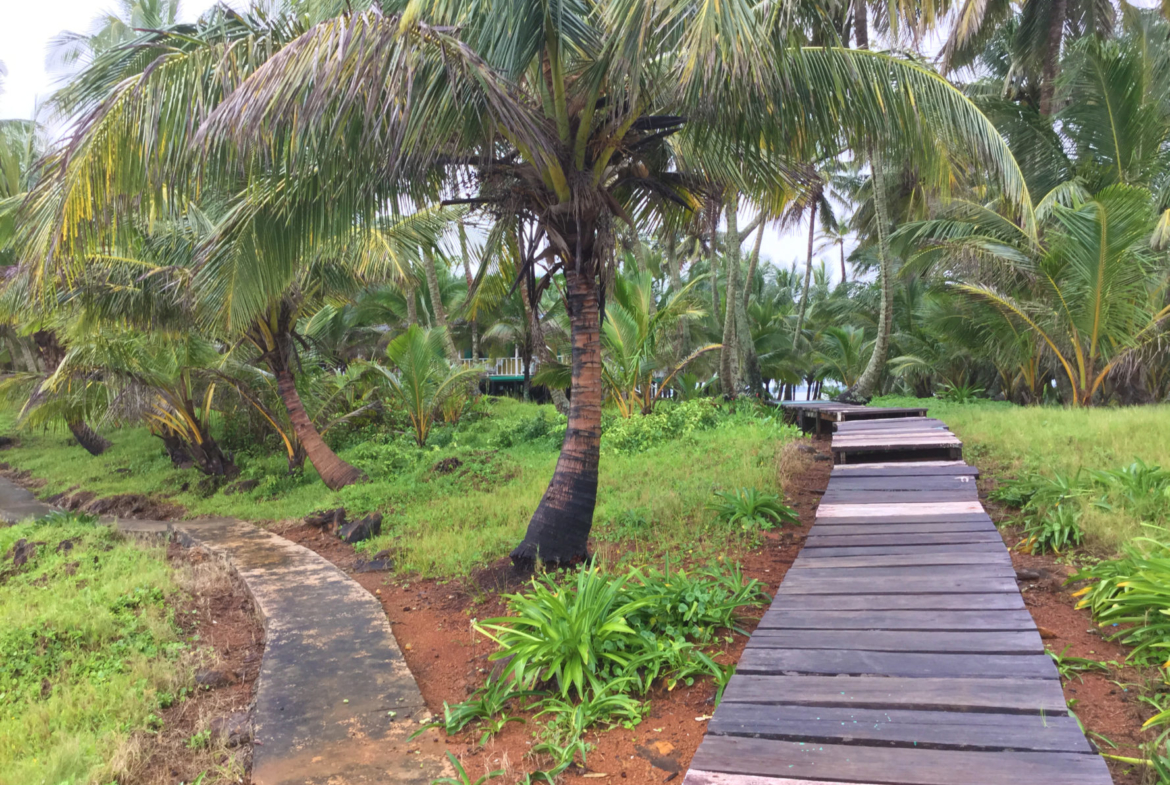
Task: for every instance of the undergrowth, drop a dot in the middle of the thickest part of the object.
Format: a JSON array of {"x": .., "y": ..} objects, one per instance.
[
  {"x": 583, "y": 651},
  {"x": 89, "y": 651}
]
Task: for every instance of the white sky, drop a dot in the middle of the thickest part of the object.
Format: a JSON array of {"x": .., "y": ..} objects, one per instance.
[{"x": 29, "y": 26}]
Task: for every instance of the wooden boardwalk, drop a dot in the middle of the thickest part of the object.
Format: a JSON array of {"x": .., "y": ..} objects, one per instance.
[{"x": 898, "y": 650}]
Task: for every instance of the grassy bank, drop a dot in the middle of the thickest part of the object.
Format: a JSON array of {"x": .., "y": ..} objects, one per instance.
[
  {"x": 464, "y": 499},
  {"x": 89, "y": 652},
  {"x": 1011, "y": 442}
]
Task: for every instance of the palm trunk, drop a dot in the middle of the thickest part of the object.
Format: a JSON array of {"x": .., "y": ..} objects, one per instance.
[
  {"x": 753, "y": 264},
  {"x": 437, "y": 304},
  {"x": 93, "y": 442},
  {"x": 729, "y": 354},
  {"x": 1052, "y": 56},
  {"x": 411, "y": 305},
  {"x": 841, "y": 245},
  {"x": 335, "y": 473},
  {"x": 470, "y": 283},
  {"x": 812, "y": 228},
  {"x": 866, "y": 385},
  {"x": 674, "y": 267},
  {"x": 861, "y": 24},
  {"x": 748, "y": 364},
  {"x": 712, "y": 256},
  {"x": 559, "y": 530}
]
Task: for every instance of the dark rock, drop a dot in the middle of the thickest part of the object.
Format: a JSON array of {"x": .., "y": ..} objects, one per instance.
[
  {"x": 447, "y": 465},
  {"x": 327, "y": 519},
  {"x": 65, "y": 546},
  {"x": 6, "y": 441},
  {"x": 233, "y": 730},
  {"x": 364, "y": 529},
  {"x": 22, "y": 551},
  {"x": 241, "y": 486},
  {"x": 382, "y": 554},
  {"x": 1027, "y": 575},
  {"x": 212, "y": 679},
  {"x": 374, "y": 565},
  {"x": 71, "y": 567}
]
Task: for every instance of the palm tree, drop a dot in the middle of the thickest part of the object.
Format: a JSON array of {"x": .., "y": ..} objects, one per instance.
[
  {"x": 421, "y": 378},
  {"x": 555, "y": 113}
]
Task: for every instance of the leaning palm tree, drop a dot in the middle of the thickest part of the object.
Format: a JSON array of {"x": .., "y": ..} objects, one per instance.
[{"x": 553, "y": 112}]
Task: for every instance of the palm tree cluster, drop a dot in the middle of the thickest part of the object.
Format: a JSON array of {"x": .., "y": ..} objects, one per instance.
[{"x": 305, "y": 214}]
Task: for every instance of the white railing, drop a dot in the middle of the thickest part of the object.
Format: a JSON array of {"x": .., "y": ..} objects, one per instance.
[{"x": 502, "y": 366}]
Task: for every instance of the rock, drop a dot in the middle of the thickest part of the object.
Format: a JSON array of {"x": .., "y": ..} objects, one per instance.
[
  {"x": 447, "y": 465},
  {"x": 22, "y": 551},
  {"x": 364, "y": 529},
  {"x": 240, "y": 486},
  {"x": 233, "y": 730},
  {"x": 373, "y": 565},
  {"x": 327, "y": 519},
  {"x": 212, "y": 679},
  {"x": 71, "y": 567},
  {"x": 65, "y": 546},
  {"x": 1046, "y": 633},
  {"x": 1027, "y": 575},
  {"x": 382, "y": 554},
  {"x": 6, "y": 441}
]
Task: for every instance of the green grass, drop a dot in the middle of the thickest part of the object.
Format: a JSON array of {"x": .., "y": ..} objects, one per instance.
[
  {"x": 657, "y": 476},
  {"x": 88, "y": 652},
  {"x": 1008, "y": 441}
]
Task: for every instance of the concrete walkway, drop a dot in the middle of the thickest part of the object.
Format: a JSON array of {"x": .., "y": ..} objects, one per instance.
[{"x": 335, "y": 701}]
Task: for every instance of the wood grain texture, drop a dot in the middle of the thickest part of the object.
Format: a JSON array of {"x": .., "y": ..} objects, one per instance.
[
  {"x": 916, "y": 665},
  {"x": 942, "y": 620},
  {"x": 965, "y": 642}
]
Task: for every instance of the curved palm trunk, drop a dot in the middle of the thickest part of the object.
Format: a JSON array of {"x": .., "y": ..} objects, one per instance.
[
  {"x": 729, "y": 377},
  {"x": 93, "y": 442},
  {"x": 753, "y": 264},
  {"x": 474, "y": 324},
  {"x": 812, "y": 230},
  {"x": 411, "y": 305},
  {"x": 861, "y": 24},
  {"x": 1052, "y": 56},
  {"x": 559, "y": 530},
  {"x": 864, "y": 389},
  {"x": 437, "y": 304},
  {"x": 335, "y": 473},
  {"x": 52, "y": 353}
]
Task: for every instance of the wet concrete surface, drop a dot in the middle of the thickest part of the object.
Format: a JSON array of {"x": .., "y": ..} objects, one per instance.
[{"x": 335, "y": 701}]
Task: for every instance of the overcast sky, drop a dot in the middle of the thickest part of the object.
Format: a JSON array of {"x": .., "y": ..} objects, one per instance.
[{"x": 29, "y": 26}]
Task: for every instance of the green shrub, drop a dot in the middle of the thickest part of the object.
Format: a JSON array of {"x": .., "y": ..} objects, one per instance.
[
  {"x": 670, "y": 421},
  {"x": 1056, "y": 530},
  {"x": 751, "y": 510}
]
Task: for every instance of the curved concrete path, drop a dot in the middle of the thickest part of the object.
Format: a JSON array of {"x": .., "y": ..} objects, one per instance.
[{"x": 335, "y": 701}]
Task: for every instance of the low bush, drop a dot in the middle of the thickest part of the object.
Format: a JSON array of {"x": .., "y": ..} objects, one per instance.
[{"x": 751, "y": 510}]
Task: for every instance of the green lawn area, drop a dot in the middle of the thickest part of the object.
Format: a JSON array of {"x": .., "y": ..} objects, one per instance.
[
  {"x": 1008, "y": 441},
  {"x": 656, "y": 479},
  {"x": 89, "y": 652}
]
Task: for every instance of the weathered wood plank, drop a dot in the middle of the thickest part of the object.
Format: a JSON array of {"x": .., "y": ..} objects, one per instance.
[
  {"x": 843, "y": 520},
  {"x": 903, "y": 560},
  {"x": 779, "y": 619},
  {"x": 900, "y": 728},
  {"x": 1005, "y": 695},
  {"x": 896, "y": 602},
  {"x": 907, "y": 469},
  {"x": 913, "y": 766},
  {"x": 932, "y": 642},
  {"x": 898, "y": 585},
  {"x": 870, "y": 496},
  {"x": 929, "y": 527},
  {"x": 913, "y": 483},
  {"x": 944, "y": 538},
  {"x": 874, "y": 510},
  {"x": 815, "y": 572},
  {"x": 908, "y": 550},
  {"x": 840, "y": 662}
]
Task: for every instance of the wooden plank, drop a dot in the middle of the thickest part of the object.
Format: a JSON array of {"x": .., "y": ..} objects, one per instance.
[
  {"x": 902, "y": 528},
  {"x": 1004, "y": 695},
  {"x": 902, "y": 550},
  {"x": 870, "y": 496},
  {"x": 945, "y": 538},
  {"x": 835, "y": 662},
  {"x": 909, "y": 483},
  {"x": 898, "y": 602},
  {"x": 819, "y": 573},
  {"x": 889, "y": 422},
  {"x": 898, "y": 585},
  {"x": 891, "y": 441},
  {"x": 895, "y": 620},
  {"x": 922, "y": 642},
  {"x": 911, "y": 469},
  {"x": 904, "y": 766},
  {"x": 852, "y": 520},
  {"x": 872, "y": 510},
  {"x": 903, "y": 560},
  {"x": 900, "y": 728}
]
